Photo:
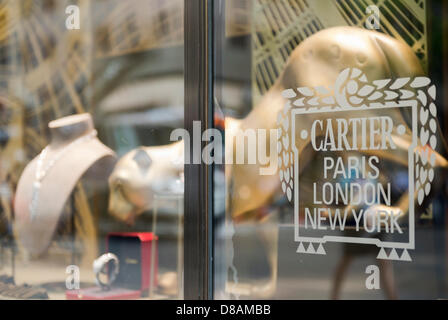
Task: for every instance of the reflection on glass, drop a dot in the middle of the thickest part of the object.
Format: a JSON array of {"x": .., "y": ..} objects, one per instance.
[
  {"x": 91, "y": 205},
  {"x": 352, "y": 207}
]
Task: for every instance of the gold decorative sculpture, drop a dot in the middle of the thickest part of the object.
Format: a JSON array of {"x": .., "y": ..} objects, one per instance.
[{"x": 142, "y": 173}]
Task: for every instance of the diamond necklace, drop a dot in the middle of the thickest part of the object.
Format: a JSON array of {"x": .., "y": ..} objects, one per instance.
[{"x": 41, "y": 174}]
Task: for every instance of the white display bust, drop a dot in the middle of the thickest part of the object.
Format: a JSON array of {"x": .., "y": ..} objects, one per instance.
[{"x": 76, "y": 148}]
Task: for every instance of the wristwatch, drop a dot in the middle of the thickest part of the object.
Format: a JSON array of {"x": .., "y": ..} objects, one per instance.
[{"x": 108, "y": 263}]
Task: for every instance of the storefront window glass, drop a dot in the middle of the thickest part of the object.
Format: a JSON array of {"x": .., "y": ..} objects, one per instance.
[
  {"x": 90, "y": 92},
  {"x": 335, "y": 149}
]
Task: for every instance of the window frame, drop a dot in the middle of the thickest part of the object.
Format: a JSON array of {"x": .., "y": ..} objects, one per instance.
[{"x": 198, "y": 193}]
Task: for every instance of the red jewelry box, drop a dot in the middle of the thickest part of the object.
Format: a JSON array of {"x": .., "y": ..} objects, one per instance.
[{"x": 134, "y": 251}]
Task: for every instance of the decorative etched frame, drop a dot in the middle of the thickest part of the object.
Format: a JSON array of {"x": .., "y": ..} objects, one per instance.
[{"x": 352, "y": 91}]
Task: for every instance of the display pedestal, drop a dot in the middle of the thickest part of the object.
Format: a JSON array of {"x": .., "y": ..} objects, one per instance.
[{"x": 96, "y": 293}]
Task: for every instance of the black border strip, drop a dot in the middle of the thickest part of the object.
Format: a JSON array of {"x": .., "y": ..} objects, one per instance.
[{"x": 198, "y": 212}]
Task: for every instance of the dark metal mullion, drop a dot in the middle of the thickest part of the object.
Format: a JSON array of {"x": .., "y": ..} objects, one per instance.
[{"x": 198, "y": 222}]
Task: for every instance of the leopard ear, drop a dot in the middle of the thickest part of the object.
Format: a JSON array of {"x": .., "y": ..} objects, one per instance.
[{"x": 142, "y": 159}]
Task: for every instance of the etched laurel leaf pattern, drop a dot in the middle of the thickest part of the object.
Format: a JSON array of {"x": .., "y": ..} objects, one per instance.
[{"x": 352, "y": 90}]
